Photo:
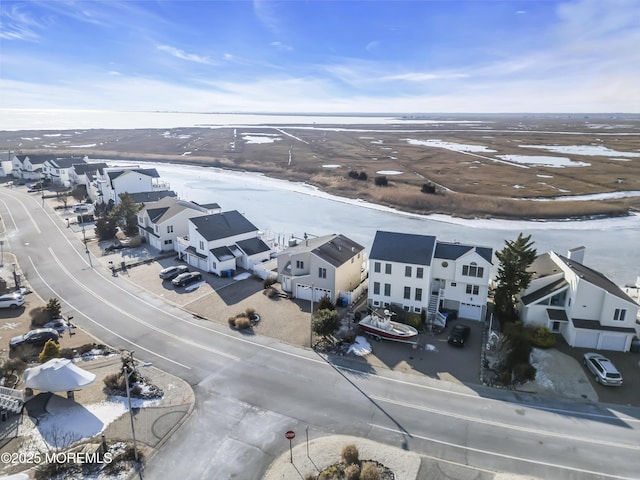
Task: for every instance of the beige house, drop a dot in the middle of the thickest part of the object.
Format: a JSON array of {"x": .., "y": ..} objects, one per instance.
[{"x": 328, "y": 265}]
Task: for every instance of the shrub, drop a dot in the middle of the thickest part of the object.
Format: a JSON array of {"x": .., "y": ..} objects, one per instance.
[
  {"x": 270, "y": 292},
  {"x": 369, "y": 472},
  {"x": 350, "y": 454},
  {"x": 523, "y": 372},
  {"x": 353, "y": 174},
  {"x": 325, "y": 303},
  {"x": 362, "y": 176},
  {"x": 268, "y": 282},
  {"x": 428, "y": 188},
  {"x": 50, "y": 350},
  {"x": 67, "y": 353},
  {"x": 54, "y": 308},
  {"x": 250, "y": 312},
  {"x": 352, "y": 472},
  {"x": 115, "y": 382},
  {"x": 242, "y": 323},
  {"x": 543, "y": 338},
  {"x": 330, "y": 473},
  {"x": 12, "y": 366},
  {"x": 38, "y": 317},
  {"x": 381, "y": 181},
  {"x": 121, "y": 460},
  {"x": 232, "y": 322},
  {"x": 324, "y": 322}
]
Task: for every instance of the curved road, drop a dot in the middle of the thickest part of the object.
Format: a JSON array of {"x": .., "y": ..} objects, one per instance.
[{"x": 250, "y": 390}]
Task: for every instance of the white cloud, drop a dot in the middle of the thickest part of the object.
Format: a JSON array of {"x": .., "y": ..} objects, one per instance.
[
  {"x": 18, "y": 25},
  {"x": 281, "y": 46},
  {"x": 182, "y": 55}
]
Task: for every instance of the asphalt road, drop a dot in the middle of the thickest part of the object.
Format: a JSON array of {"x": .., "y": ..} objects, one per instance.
[{"x": 251, "y": 389}]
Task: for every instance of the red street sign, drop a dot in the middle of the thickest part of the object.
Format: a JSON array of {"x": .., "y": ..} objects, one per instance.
[{"x": 290, "y": 435}]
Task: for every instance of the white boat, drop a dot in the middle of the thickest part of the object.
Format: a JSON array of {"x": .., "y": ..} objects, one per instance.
[{"x": 383, "y": 327}]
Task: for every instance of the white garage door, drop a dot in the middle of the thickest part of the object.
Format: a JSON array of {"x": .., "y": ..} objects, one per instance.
[
  {"x": 303, "y": 292},
  {"x": 586, "y": 339},
  {"x": 613, "y": 342},
  {"x": 470, "y": 311}
]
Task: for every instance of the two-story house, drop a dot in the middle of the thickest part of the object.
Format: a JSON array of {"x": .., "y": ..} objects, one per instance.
[
  {"x": 417, "y": 273},
  {"x": 58, "y": 170},
  {"x": 322, "y": 266},
  {"x": 111, "y": 182},
  {"x": 222, "y": 242},
  {"x": 583, "y": 305},
  {"x": 29, "y": 167},
  {"x": 162, "y": 221},
  {"x": 84, "y": 173}
]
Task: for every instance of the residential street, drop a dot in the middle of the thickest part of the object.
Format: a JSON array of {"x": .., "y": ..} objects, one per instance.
[{"x": 250, "y": 389}]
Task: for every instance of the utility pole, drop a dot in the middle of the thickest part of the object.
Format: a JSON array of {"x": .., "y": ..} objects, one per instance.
[{"x": 127, "y": 373}]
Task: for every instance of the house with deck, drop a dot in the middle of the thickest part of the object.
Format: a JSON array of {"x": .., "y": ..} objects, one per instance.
[
  {"x": 420, "y": 274},
  {"x": 160, "y": 222},
  {"x": 331, "y": 265},
  {"x": 581, "y": 304},
  {"x": 221, "y": 243},
  {"x": 58, "y": 170},
  {"x": 111, "y": 182}
]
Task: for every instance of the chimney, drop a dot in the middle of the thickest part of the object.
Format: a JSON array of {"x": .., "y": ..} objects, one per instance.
[{"x": 576, "y": 254}]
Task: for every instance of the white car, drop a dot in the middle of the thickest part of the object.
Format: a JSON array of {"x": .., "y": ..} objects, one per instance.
[
  {"x": 11, "y": 300},
  {"x": 603, "y": 370}
]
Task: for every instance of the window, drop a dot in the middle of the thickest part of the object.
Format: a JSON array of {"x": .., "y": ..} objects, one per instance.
[
  {"x": 169, "y": 228},
  {"x": 376, "y": 267},
  {"x": 387, "y": 289},
  {"x": 168, "y": 242},
  {"x": 407, "y": 271},
  {"x": 407, "y": 292},
  {"x": 453, "y": 284},
  {"x": 322, "y": 272},
  {"x": 387, "y": 268},
  {"x": 417, "y": 309},
  {"x": 418, "y": 294},
  {"x": 419, "y": 272},
  {"x": 376, "y": 288},
  {"x": 472, "y": 270},
  {"x": 619, "y": 314},
  {"x": 472, "y": 289},
  {"x": 299, "y": 264},
  {"x": 157, "y": 228},
  {"x": 201, "y": 245}
]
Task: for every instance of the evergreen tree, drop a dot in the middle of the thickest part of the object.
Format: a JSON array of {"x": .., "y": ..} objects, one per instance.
[
  {"x": 51, "y": 350},
  {"x": 125, "y": 214},
  {"x": 53, "y": 308},
  {"x": 513, "y": 277},
  {"x": 325, "y": 322}
]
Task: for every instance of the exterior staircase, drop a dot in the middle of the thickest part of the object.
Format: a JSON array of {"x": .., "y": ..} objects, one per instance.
[{"x": 11, "y": 400}]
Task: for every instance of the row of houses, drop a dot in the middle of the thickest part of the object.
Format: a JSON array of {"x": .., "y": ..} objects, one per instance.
[{"x": 417, "y": 273}]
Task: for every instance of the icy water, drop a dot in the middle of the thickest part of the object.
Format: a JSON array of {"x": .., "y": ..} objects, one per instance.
[{"x": 288, "y": 209}]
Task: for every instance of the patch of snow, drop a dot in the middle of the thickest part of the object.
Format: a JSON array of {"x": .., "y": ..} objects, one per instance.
[
  {"x": 260, "y": 139},
  {"x": 545, "y": 161},
  {"x": 456, "y": 147},
  {"x": 89, "y": 145},
  {"x": 331, "y": 166},
  {"x": 430, "y": 348},
  {"x": 186, "y": 153},
  {"x": 544, "y": 176},
  {"x": 389, "y": 172},
  {"x": 242, "y": 276},
  {"x": 590, "y": 197},
  {"x": 518, "y": 186},
  {"x": 589, "y": 150},
  {"x": 360, "y": 347},
  {"x": 193, "y": 286}
]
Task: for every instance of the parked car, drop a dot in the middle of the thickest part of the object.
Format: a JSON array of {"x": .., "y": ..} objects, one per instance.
[
  {"x": 459, "y": 334},
  {"x": 11, "y": 300},
  {"x": 603, "y": 370},
  {"x": 187, "y": 278},
  {"x": 170, "y": 273},
  {"x": 35, "y": 338}
]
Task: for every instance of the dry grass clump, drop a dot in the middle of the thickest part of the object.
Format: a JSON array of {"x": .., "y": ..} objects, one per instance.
[
  {"x": 243, "y": 320},
  {"x": 369, "y": 471},
  {"x": 350, "y": 454}
]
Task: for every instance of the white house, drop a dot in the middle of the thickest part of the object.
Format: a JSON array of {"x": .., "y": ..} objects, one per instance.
[
  {"x": 84, "y": 173},
  {"x": 162, "y": 221},
  {"x": 588, "y": 309},
  {"x": 29, "y": 167},
  {"x": 222, "y": 242},
  {"x": 416, "y": 273},
  {"x": 58, "y": 170},
  {"x": 111, "y": 182},
  {"x": 328, "y": 265}
]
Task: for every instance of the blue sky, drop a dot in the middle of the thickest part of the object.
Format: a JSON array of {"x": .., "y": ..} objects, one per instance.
[{"x": 322, "y": 56}]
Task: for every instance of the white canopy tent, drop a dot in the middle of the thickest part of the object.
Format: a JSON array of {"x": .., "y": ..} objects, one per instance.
[{"x": 57, "y": 375}]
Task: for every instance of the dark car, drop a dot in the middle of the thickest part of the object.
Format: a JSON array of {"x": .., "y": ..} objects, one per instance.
[
  {"x": 459, "y": 334},
  {"x": 170, "y": 273},
  {"x": 34, "y": 338},
  {"x": 187, "y": 278}
]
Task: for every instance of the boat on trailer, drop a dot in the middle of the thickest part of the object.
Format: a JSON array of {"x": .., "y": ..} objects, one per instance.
[{"x": 382, "y": 327}]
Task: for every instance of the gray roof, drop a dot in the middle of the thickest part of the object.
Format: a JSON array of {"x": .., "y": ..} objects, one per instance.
[
  {"x": 149, "y": 172},
  {"x": 82, "y": 168},
  {"x": 337, "y": 250},
  {"x": 252, "y": 246},
  {"x": 222, "y": 225},
  {"x": 403, "y": 248},
  {"x": 596, "y": 325},
  {"x": 36, "y": 159},
  {"x": 545, "y": 291},
  {"x": 145, "y": 197},
  {"x": 453, "y": 251},
  {"x": 595, "y": 278},
  {"x": 66, "y": 162},
  {"x": 222, "y": 253},
  {"x": 168, "y": 207},
  {"x": 558, "y": 315}
]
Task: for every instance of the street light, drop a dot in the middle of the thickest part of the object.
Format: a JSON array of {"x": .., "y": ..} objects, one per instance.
[
  {"x": 127, "y": 374},
  {"x": 86, "y": 249}
]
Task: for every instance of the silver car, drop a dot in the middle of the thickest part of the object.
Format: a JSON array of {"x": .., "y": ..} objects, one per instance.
[
  {"x": 603, "y": 370},
  {"x": 11, "y": 300}
]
